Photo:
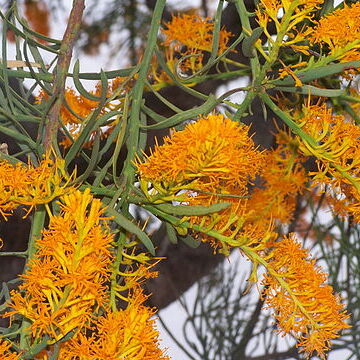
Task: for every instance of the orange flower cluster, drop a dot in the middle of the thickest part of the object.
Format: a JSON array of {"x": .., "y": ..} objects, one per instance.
[
  {"x": 79, "y": 107},
  {"x": 194, "y": 32},
  {"x": 37, "y": 13},
  {"x": 191, "y": 34},
  {"x": 273, "y": 7},
  {"x": 65, "y": 282},
  {"x": 212, "y": 160},
  {"x": 293, "y": 12},
  {"x": 31, "y": 186},
  {"x": 337, "y": 151},
  {"x": 212, "y": 154},
  {"x": 134, "y": 269},
  {"x": 251, "y": 221},
  {"x": 340, "y": 32},
  {"x": 304, "y": 305},
  {"x": 283, "y": 179},
  {"x": 5, "y": 353},
  {"x": 65, "y": 289},
  {"x": 124, "y": 334}
]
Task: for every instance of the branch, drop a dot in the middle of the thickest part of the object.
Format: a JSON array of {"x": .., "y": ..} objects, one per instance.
[
  {"x": 239, "y": 351},
  {"x": 65, "y": 53},
  {"x": 284, "y": 355}
]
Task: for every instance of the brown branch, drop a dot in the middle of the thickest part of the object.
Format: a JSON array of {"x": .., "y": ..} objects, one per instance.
[{"x": 65, "y": 54}]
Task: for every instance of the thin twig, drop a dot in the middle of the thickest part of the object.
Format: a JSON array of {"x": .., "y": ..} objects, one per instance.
[
  {"x": 65, "y": 53},
  {"x": 284, "y": 355}
]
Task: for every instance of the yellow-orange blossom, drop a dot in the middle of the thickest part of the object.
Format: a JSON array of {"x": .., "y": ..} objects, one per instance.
[{"x": 214, "y": 160}]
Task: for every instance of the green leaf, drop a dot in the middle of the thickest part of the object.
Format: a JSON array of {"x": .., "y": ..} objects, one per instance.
[
  {"x": 129, "y": 226},
  {"x": 35, "y": 349},
  {"x": 205, "y": 108},
  {"x": 20, "y": 138},
  {"x": 247, "y": 46},
  {"x": 156, "y": 117},
  {"x": 171, "y": 233},
  {"x": 92, "y": 124},
  {"x": 79, "y": 86},
  {"x": 94, "y": 158},
  {"x": 317, "y": 73},
  {"x": 10, "y": 159},
  {"x": 190, "y": 241},
  {"x": 192, "y": 210},
  {"x": 5, "y": 291},
  {"x": 312, "y": 90}
]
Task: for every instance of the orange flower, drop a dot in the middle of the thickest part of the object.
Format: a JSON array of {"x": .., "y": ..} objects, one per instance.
[
  {"x": 30, "y": 186},
  {"x": 304, "y": 305},
  {"x": 288, "y": 70},
  {"x": 79, "y": 107},
  {"x": 212, "y": 160},
  {"x": 65, "y": 282},
  {"x": 115, "y": 338},
  {"x": 283, "y": 179},
  {"x": 340, "y": 31},
  {"x": 269, "y": 11},
  {"x": 134, "y": 269},
  {"x": 190, "y": 34},
  {"x": 195, "y": 32},
  {"x": 37, "y": 14},
  {"x": 272, "y": 7},
  {"x": 336, "y": 145},
  {"x": 5, "y": 353},
  {"x": 212, "y": 154},
  {"x": 251, "y": 221},
  {"x": 124, "y": 334}
]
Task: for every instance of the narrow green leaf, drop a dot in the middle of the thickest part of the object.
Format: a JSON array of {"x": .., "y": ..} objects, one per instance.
[
  {"x": 191, "y": 210},
  {"x": 18, "y": 137},
  {"x": 205, "y": 108},
  {"x": 10, "y": 159},
  {"x": 22, "y": 74},
  {"x": 111, "y": 138},
  {"x": 142, "y": 134},
  {"x": 156, "y": 117},
  {"x": 317, "y": 73},
  {"x": 171, "y": 233},
  {"x": 28, "y": 29},
  {"x": 312, "y": 90},
  {"x": 56, "y": 350},
  {"x": 94, "y": 158},
  {"x": 35, "y": 349},
  {"x": 247, "y": 45},
  {"x": 92, "y": 124},
  {"x": 34, "y": 75},
  {"x": 327, "y": 7},
  {"x": 129, "y": 226},
  {"x": 79, "y": 86},
  {"x": 109, "y": 74},
  {"x": 15, "y": 29},
  {"x": 190, "y": 241},
  {"x": 5, "y": 291},
  {"x": 120, "y": 140}
]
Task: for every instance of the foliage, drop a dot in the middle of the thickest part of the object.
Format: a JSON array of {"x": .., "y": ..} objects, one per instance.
[{"x": 81, "y": 294}]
